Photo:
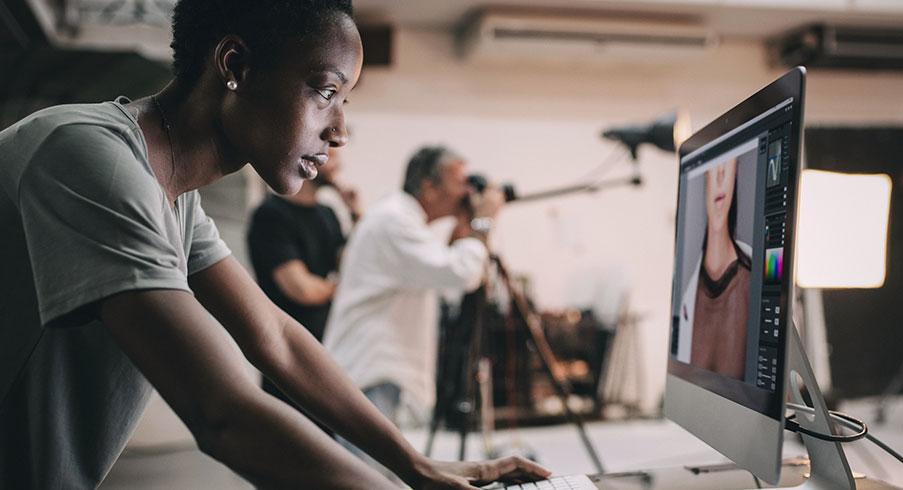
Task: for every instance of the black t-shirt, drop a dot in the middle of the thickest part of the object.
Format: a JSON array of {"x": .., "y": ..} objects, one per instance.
[{"x": 282, "y": 231}]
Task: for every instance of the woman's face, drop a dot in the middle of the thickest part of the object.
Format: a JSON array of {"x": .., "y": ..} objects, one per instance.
[
  {"x": 284, "y": 118},
  {"x": 719, "y": 192}
]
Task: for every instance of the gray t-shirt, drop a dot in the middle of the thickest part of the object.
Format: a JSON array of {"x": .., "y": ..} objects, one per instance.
[{"x": 82, "y": 217}]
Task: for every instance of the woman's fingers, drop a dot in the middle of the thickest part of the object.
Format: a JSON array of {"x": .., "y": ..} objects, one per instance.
[{"x": 511, "y": 467}]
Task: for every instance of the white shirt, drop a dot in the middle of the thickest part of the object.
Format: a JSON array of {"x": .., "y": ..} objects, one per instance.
[{"x": 383, "y": 323}]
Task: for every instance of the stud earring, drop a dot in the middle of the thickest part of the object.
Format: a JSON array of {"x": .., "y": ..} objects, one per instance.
[{"x": 232, "y": 85}]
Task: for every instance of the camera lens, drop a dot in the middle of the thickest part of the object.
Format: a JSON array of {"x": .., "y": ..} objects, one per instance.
[{"x": 479, "y": 183}]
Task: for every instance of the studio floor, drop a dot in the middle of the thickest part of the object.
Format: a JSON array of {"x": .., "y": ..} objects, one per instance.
[{"x": 623, "y": 446}]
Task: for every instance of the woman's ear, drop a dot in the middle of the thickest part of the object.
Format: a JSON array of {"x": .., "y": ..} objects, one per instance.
[{"x": 231, "y": 58}]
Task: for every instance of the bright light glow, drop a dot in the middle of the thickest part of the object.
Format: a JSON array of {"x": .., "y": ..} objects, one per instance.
[
  {"x": 683, "y": 129},
  {"x": 842, "y": 230}
]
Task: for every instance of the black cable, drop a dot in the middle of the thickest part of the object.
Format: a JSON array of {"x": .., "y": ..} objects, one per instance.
[
  {"x": 850, "y": 423},
  {"x": 869, "y": 459},
  {"x": 885, "y": 447},
  {"x": 793, "y": 426}
]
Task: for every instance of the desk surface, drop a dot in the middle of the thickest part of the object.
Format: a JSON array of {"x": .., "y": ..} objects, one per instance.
[{"x": 723, "y": 477}]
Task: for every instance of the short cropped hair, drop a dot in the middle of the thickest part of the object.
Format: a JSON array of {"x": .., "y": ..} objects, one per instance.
[
  {"x": 264, "y": 25},
  {"x": 424, "y": 166}
]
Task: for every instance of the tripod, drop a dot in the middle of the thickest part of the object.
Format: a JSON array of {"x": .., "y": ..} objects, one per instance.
[{"x": 465, "y": 349}]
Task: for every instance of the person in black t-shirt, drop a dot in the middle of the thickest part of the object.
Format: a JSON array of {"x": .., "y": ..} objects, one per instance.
[{"x": 295, "y": 243}]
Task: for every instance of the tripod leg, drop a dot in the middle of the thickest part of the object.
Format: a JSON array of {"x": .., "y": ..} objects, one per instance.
[
  {"x": 466, "y": 402},
  {"x": 462, "y": 448},
  {"x": 434, "y": 426},
  {"x": 441, "y": 407},
  {"x": 538, "y": 339},
  {"x": 458, "y": 341},
  {"x": 562, "y": 389},
  {"x": 455, "y": 402}
]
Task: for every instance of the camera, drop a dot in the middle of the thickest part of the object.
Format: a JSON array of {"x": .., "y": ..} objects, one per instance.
[{"x": 479, "y": 183}]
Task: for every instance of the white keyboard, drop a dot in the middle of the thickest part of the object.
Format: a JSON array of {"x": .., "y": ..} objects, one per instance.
[{"x": 572, "y": 482}]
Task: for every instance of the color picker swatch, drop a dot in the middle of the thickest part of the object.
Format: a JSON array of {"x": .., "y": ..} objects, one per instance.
[{"x": 774, "y": 264}]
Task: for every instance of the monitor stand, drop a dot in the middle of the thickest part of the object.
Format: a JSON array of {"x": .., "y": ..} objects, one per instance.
[{"x": 828, "y": 466}]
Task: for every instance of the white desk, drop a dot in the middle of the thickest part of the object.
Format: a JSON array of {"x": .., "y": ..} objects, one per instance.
[{"x": 718, "y": 477}]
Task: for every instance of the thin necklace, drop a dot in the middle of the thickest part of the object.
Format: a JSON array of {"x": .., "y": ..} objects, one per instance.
[{"x": 168, "y": 128}]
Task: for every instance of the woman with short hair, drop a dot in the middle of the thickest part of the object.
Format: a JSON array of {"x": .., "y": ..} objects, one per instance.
[{"x": 115, "y": 281}]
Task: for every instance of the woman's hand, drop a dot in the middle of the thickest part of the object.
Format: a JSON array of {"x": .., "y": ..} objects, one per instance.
[{"x": 468, "y": 475}]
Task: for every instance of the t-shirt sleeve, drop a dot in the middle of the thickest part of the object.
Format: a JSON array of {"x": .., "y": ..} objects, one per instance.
[
  {"x": 207, "y": 248},
  {"x": 270, "y": 240},
  {"x": 94, "y": 224}
]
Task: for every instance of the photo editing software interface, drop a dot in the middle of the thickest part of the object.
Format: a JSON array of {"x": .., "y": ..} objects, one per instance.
[{"x": 731, "y": 280}]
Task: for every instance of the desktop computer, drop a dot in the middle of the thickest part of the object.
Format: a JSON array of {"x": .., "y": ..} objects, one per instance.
[{"x": 735, "y": 356}]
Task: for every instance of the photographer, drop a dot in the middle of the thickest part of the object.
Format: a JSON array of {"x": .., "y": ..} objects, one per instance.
[{"x": 383, "y": 326}]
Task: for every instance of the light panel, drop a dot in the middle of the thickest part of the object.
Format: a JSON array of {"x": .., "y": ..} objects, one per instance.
[{"x": 842, "y": 230}]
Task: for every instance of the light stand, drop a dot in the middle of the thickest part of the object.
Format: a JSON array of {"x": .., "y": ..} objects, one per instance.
[
  {"x": 665, "y": 133},
  {"x": 592, "y": 187}
]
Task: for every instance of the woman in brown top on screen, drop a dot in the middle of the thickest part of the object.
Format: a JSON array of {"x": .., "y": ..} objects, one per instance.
[{"x": 722, "y": 294}]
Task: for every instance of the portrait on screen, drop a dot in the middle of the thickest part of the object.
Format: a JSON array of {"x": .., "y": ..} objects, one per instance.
[{"x": 716, "y": 268}]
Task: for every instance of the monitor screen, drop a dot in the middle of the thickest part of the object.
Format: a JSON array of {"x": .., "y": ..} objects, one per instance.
[{"x": 731, "y": 277}]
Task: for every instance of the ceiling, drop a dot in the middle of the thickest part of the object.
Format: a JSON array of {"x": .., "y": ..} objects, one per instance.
[
  {"x": 751, "y": 19},
  {"x": 755, "y": 19},
  {"x": 37, "y": 71},
  {"x": 25, "y": 48}
]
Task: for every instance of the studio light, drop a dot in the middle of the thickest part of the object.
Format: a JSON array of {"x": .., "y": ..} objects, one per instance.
[{"x": 666, "y": 133}]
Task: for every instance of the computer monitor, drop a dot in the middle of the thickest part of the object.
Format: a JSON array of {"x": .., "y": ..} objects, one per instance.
[{"x": 732, "y": 286}]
